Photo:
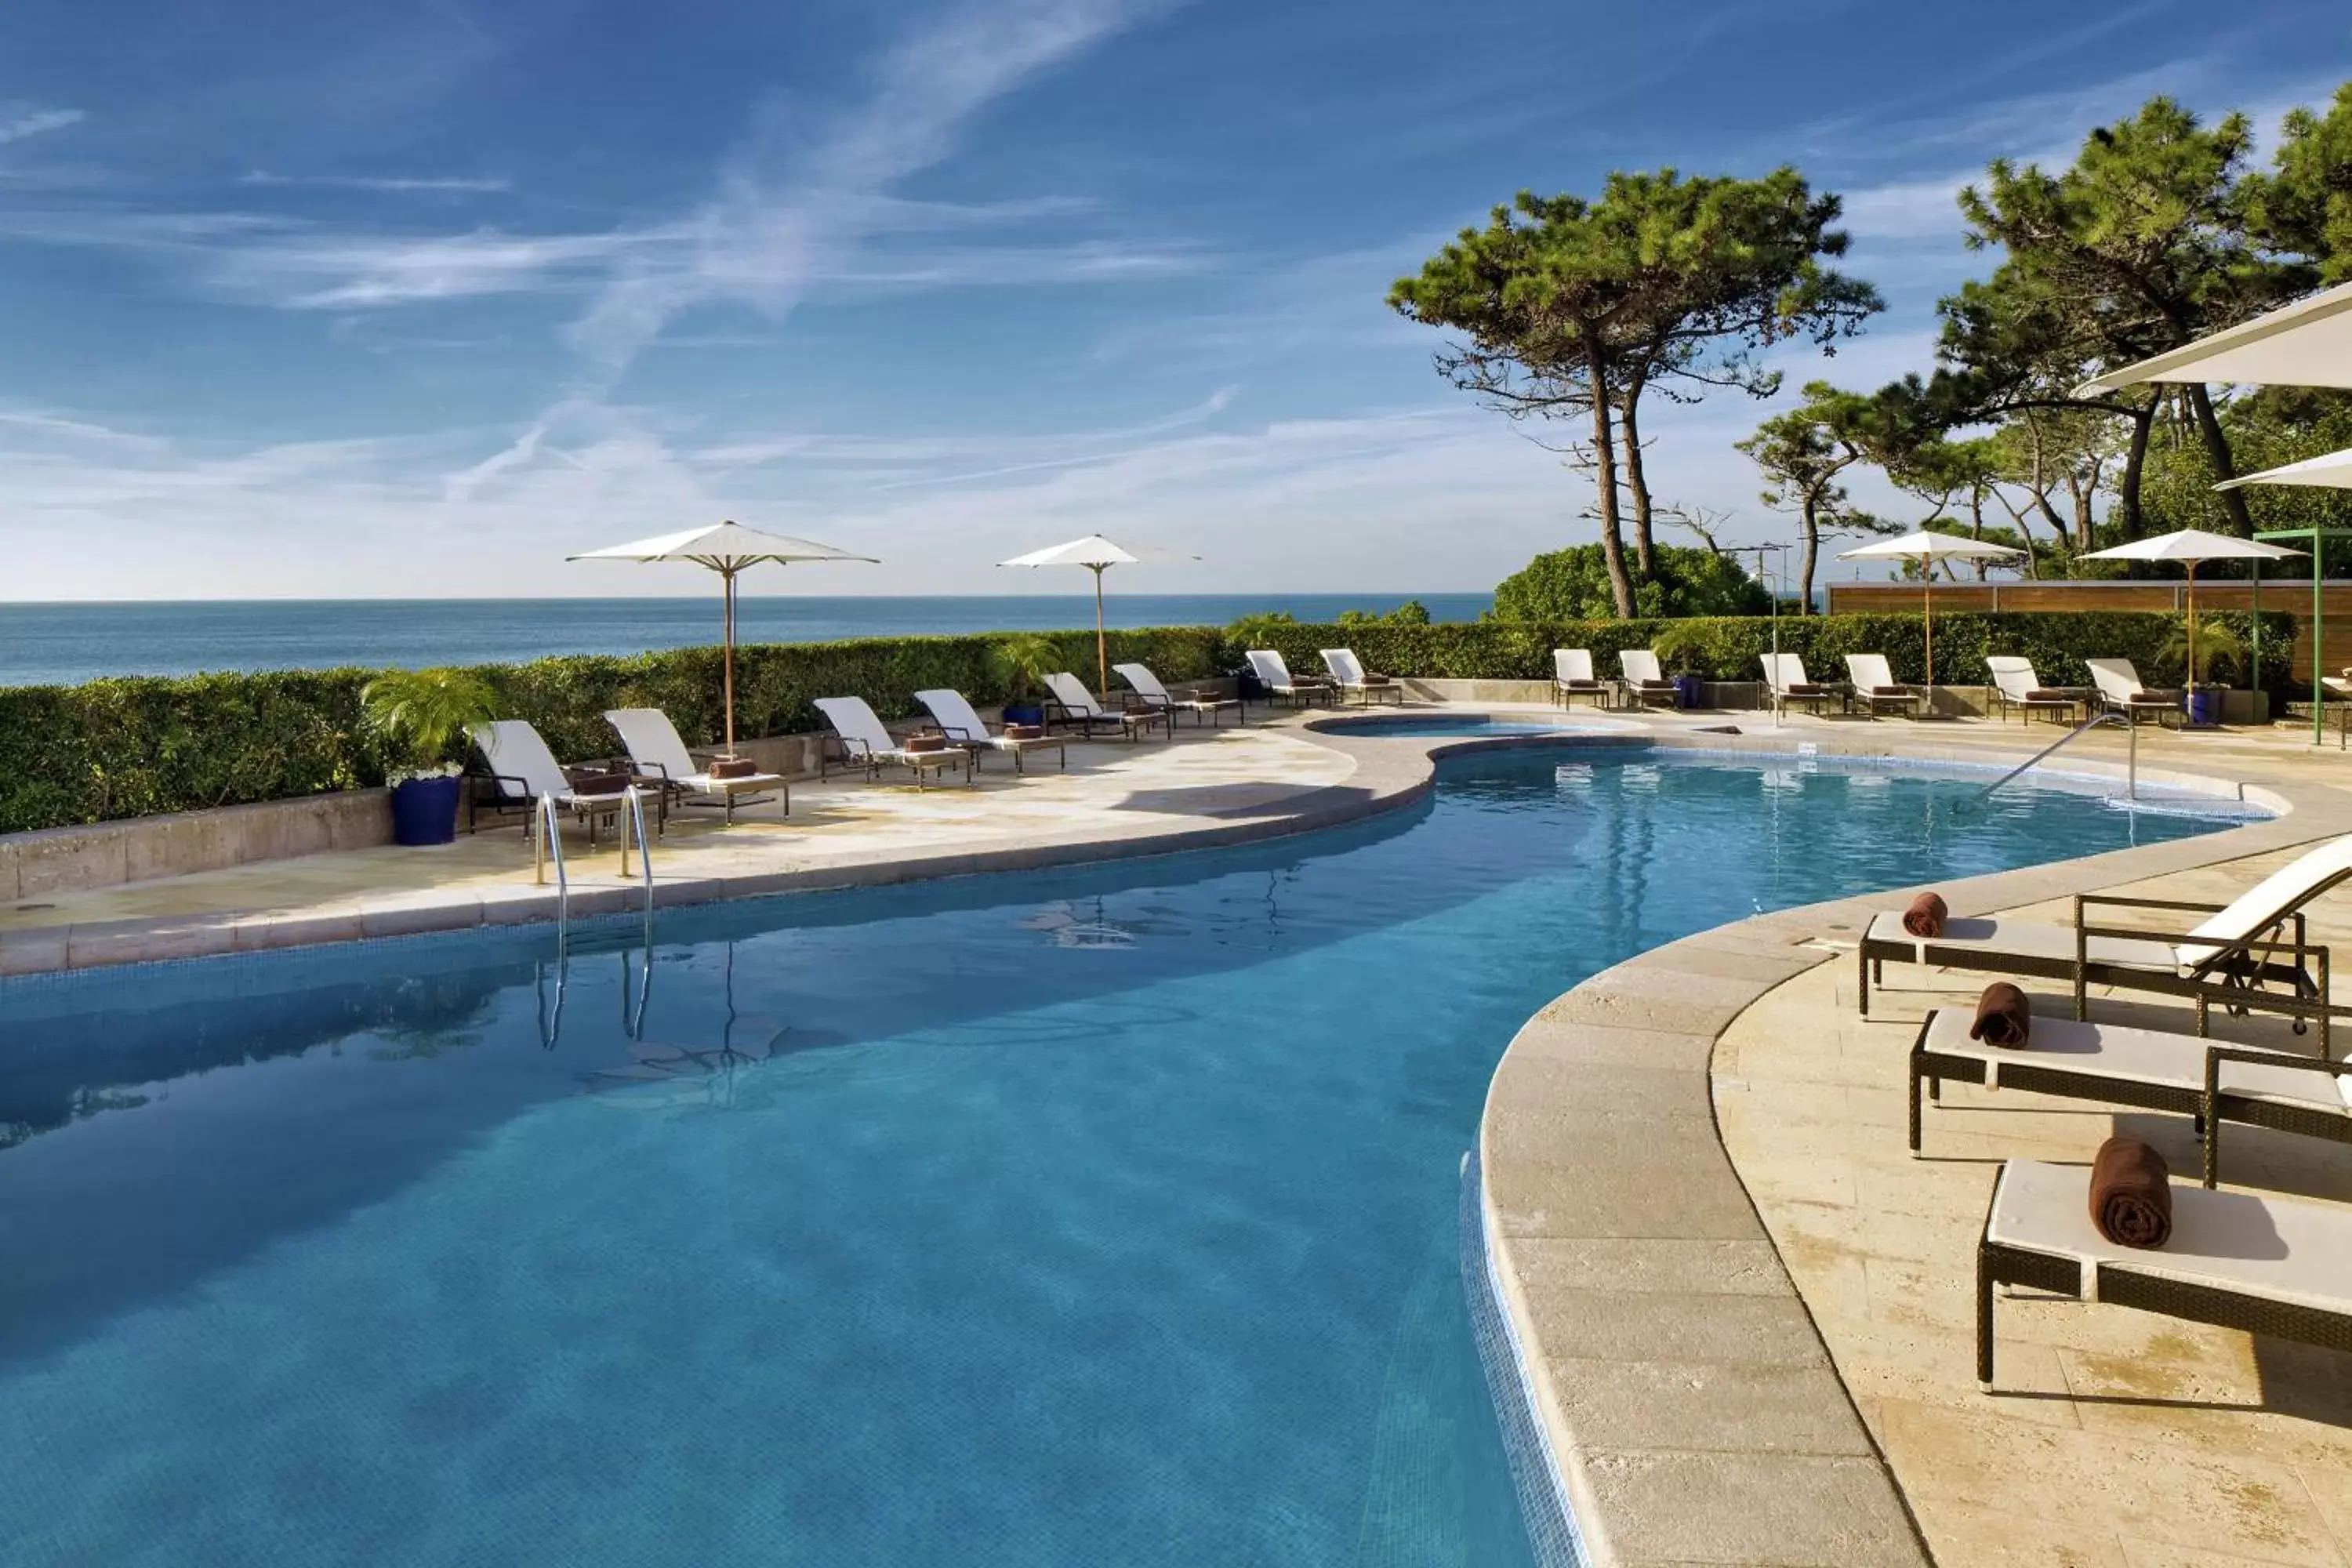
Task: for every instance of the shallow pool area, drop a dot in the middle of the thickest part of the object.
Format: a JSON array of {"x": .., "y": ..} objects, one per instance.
[
  {"x": 1106, "y": 1215},
  {"x": 1428, "y": 726}
]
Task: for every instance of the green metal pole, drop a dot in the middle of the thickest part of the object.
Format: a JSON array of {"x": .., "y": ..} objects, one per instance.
[{"x": 2318, "y": 636}]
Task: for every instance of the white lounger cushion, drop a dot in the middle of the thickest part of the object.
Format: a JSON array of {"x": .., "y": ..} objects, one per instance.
[
  {"x": 2268, "y": 901},
  {"x": 2276, "y": 1249},
  {"x": 1345, "y": 666},
  {"x": 1866, "y": 671},
  {"x": 1641, "y": 667},
  {"x": 854, "y": 719},
  {"x": 516, "y": 751},
  {"x": 1267, "y": 665},
  {"x": 1146, "y": 684},
  {"x": 952, "y": 712},
  {"x": 1072, "y": 694},
  {"x": 653, "y": 745},
  {"x": 2027, "y": 938},
  {"x": 2134, "y": 1055},
  {"x": 1572, "y": 667}
]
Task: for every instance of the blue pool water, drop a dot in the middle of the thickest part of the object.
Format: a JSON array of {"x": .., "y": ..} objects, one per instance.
[{"x": 1106, "y": 1215}]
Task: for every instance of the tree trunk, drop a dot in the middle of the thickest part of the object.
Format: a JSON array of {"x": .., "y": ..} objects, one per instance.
[
  {"x": 1637, "y": 482},
  {"x": 1810, "y": 524},
  {"x": 2134, "y": 460},
  {"x": 2217, "y": 451},
  {"x": 1604, "y": 479}
]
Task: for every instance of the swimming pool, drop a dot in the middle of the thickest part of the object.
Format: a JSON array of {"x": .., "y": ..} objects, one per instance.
[{"x": 1101, "y": 1215}]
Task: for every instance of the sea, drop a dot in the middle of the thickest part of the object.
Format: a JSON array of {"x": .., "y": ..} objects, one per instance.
[{"x": 64, "y": 643}]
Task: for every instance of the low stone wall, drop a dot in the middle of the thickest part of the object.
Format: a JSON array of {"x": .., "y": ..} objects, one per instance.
[{"x": 35, "y": 866}]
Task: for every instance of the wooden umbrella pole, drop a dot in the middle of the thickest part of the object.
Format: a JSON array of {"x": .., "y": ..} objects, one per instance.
[
  {"x": 2192, "y": 634},
  {"x": 727, "y": 577},
  {"x": 1927, "y": 614},
  {"x": 1102, "y": 647}
]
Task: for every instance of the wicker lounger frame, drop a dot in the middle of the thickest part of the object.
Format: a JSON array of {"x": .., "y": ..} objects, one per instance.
[
  {"x": 2208, "y": 1101},
  {"x": 2121, "y": 1286},
  {"x": 2233, "y": 977},
  {"x": 1127, "y": 719},
  {"x": 1823, "y": 694},
  {"x": 1365, "y": 690}
]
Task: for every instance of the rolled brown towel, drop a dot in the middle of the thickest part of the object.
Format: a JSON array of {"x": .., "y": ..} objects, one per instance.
[
  {"x": 2131, "y": 1194},
  {"x": 2003, "y": 1016},
  {"x": 1926, "y": 915},
  {"x": 1890, "y": 692},
  {"x": 2049, "y": 694}
]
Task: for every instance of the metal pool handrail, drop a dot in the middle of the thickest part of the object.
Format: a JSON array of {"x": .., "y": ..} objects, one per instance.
[
  {"x": 636, "y": 804},
  {"x": 2131, "y": 728},
  {"x": 546, "y": 842}
]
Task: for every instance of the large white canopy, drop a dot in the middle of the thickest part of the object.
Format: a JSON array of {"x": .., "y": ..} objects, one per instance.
[
  {"x": 2193, "y": 544},
  {"x": 2333, "y": 471},
  {"x": 1925, "y": 545},
  {"x": 2308, "y": 344},
  {"x": 1094, "y": 551},
  {"x": 728, "y": 547}
]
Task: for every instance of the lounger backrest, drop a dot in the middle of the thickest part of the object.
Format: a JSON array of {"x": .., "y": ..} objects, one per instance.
[
  {"x": 952, "y": 712},
  {"x": 1142, "y": 679},
  {"x": 1572, "y": 666},
  {"x": 2116, "y": 679},
  {"x": 2013, "y": 675},
  {"x": 1781, "y": 671},
  {"x": 652, "y": 742},
  {"x": 1641, "y": 667},
  {"x": 2274, "y": 898},
  {"x": 1345, "y": 666},
  {"x": 852, "y": 719},
  {"x": 1868, "y": 670},
  {"x": 515, "y": 751},
  {"x": 1071, "y": 693},
  {"x": 1267, "y": 665}
]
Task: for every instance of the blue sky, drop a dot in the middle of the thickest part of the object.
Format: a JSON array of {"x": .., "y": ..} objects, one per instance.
[{"x": 358, "y": 299}]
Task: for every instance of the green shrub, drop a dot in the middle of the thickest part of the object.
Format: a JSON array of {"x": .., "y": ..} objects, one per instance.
[
  {"x": 139, "y": 746},
  {"x": 1572, "y": 584}
]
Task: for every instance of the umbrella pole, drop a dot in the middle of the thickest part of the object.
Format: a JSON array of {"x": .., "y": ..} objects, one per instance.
[
  {"x": 1927, "y": 614},
  {"x": 1102, "y": 647},
  {"x": 727, "y": 578},
  {"x": 2192, "y": 634}
]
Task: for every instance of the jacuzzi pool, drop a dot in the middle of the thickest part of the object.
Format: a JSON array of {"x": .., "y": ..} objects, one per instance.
[{"x": 1105, "y": 1216}]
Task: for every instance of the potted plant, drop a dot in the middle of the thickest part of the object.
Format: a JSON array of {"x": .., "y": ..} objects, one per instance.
[
  {"x": 2216, "y": 649},
  {"x": 1021, "y": 664},
  {"x": 1679, "y": 646},
  {"x": 423, "y": 716}
]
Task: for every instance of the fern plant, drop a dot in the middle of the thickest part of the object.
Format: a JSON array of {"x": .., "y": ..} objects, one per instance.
[
  {"x": 2217, "y": 649},
  {"x": 1021, "y": 662},
  {"x": 423, "y": 715}
]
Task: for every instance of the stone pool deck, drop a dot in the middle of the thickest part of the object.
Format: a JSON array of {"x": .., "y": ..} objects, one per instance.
[{"x": 1741, "y": 1307}]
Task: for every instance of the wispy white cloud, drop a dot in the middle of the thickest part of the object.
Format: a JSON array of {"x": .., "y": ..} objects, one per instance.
[
  {"x": 37, "y": 122},
  {"x": 394, "y": 185},
  {"x": 790, "y": 208}
]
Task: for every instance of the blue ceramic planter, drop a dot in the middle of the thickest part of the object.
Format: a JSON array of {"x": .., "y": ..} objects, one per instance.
[{"x": 424, "y": 811}]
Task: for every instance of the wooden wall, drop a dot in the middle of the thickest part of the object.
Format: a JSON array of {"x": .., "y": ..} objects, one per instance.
[{"x": 2064, "y": 598}]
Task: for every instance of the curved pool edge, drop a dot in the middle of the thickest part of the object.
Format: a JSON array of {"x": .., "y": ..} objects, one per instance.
[{"x": 1688, "y": 1401}]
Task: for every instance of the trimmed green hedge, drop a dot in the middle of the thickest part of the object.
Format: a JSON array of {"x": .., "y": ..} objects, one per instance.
[
  {"x": 138, "y": 746},
  {"x": 135, "y": 747},
  {"x": 2057, "y": 644}
]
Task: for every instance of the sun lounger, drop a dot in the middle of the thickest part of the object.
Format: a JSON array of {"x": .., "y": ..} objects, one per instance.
[
  {"x": 2238, "y": 1261},
  {"x": 658, "y": 756},
  {"x": 2338, "y": 686},
  {"x": 2148, "y": 1070},
  {"x": 1072, "y": 703},
  {"x": 2120, "y": 691},
  {"x": 1572, "y": 677},
  {"x": 1348, "y": 674},
  {"x": 2238, "y": 949},
  {"x": 1194, "y": 700},
  {"x": 866, "y": 744},
  {"x": 522, "y": 770},
  {"x": 1274, "y": 675},
  {"x": 1875, "y": 683},
  {"x": 2015, "y": 685},
  {"x": 1645, "y": 683},
  {"x": 1785, "y": 675},
  {"x": 953, "y": 712}
]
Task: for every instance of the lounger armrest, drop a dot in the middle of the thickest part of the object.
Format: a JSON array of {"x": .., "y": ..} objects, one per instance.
[
  {"x": 658, "y": 771},
  {"x": 522, "y": 790},
  {"x": 853, "y": 748},
  {"x": 2219, "y": 944},
  {"x": 958, "y": 733},
  {"x": 2215, "y": 1055},
  {"x": 2083, "y": 900}
]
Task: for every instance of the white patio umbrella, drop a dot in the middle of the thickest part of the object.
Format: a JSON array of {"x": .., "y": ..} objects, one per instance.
[
  {"x": 2189, "y": 546},
  {"x": 2333, "y": 471},
  {"x": 1096, "y": 555},
  {"x": 1929, "y": 548},
  {"x": 727, "y": 550},
  {"x": 2308, "y": 344}
]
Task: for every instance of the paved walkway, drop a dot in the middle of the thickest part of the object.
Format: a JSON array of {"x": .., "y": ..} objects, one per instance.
[
  {"x": 1115, "y": 797},
  {"x": 2117, "y": 1439}
]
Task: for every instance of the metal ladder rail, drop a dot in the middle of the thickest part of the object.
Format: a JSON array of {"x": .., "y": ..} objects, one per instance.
[
  {"x": 2131, "y": 774},
  {"x": 546, "y": 844},
  {"x": 635, "y": 801}
]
